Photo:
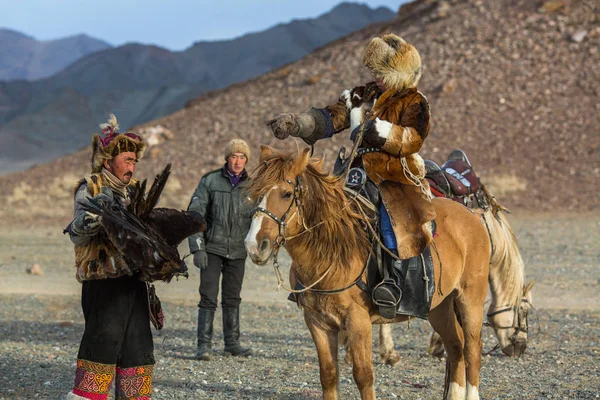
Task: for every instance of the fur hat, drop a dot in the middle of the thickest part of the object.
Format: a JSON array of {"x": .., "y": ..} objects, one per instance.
[
  {"x": 114, "y": 143},
  {"x": 237, "y": 146},
  {"x": 396, "y": 63}
]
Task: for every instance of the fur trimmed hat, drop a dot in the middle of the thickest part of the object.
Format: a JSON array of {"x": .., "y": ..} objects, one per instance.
[
  {"x": 237, "y": 146},
  {"x": 114, "y": 143},
  {"x": 396, "y": 63}
]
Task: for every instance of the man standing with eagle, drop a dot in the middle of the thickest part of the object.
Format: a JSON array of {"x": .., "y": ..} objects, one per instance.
[{"x": 121, "y": 244}]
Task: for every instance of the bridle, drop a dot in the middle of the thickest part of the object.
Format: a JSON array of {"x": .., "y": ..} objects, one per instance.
[
  {"x": 519, "y": 324},
  {"x": 281, "y": 240}
]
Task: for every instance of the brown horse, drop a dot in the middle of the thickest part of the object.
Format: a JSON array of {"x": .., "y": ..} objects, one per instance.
[
  {"x": 511, "y": 298},
  {"x": 307, "y": 211}
]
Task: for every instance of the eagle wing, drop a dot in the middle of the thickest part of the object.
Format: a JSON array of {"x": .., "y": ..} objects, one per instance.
[
  {"x": 139, "y": 242},
  {"x": 154, "y": 193},
  {"x": 174, "y": 225}
]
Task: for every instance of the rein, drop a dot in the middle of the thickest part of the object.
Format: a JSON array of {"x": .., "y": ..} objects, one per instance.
[{"x": 281, "y": 240}]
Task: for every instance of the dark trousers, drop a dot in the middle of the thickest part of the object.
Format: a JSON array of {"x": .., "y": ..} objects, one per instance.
[
  {"x": 117, "y": 323},
  {"x": 231, "y": 285}
]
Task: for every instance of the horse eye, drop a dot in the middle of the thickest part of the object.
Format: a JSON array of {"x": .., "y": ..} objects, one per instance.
[{"x": 287, "y": 195}]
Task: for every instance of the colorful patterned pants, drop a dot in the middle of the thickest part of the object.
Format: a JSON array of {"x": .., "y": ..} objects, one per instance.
[{"x": 117, "y": 343}]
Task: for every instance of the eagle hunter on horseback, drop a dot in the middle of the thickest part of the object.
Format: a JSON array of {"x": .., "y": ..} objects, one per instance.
[
  {"x": 390, "y": 119},
  {"x": 122, "y": 243},
  {"x": 329, "y": 226}
]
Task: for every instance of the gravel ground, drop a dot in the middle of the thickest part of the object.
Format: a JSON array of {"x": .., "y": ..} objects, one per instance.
[{"x": 41, "y": 324}]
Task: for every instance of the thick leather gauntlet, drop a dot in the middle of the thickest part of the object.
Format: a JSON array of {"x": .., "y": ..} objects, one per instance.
[
  {"x": 86, "y": 224},
  {"x": 290, "y": 124}
]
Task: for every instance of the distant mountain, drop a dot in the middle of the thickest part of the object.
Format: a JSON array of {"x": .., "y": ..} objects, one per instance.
[
  {"x": 42, "y": 120},
  {"x": 24, "y": 57}
]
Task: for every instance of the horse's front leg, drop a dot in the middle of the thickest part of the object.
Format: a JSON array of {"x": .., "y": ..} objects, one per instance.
[
  {"x": 359, "y": 328},
  {"x": 326, "y": 342}
]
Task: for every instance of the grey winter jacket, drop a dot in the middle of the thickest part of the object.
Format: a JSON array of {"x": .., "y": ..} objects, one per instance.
[{"x": 227, "y": 215}]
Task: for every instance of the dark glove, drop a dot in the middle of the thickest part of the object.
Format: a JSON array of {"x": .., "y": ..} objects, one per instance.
[
  {"x": 86, "y": 224},
  {"x": 371, "y": 136},
  {"x": 200, "y": 259},
  {"x": 104, "y": 198},
  {"x": 285, "y": 125}
]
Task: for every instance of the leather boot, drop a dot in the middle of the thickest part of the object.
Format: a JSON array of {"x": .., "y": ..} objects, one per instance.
[
  {"x": 387, "y": 294},
  {"x": 205, "y": 332},
  {"x": 231, "y": 333}
]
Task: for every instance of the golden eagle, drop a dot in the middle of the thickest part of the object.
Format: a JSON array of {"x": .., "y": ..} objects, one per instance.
[{"x": 148, "y": 237}]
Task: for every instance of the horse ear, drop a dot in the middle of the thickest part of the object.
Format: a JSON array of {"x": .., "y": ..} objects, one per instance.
[
  {"x": 265, "y": 152},
  {"x": 528, "y": 287},
  {"x": 301, "y": 161},
  {"x": 319, "y": 162}
]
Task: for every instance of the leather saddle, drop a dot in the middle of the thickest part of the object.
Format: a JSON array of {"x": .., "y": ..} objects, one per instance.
[{"x": 456, "y": 179}]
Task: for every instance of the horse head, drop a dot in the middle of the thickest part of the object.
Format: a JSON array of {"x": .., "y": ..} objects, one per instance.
[
  {"x": 277, "y": 187},
  {"x": 511, "y": 325}
]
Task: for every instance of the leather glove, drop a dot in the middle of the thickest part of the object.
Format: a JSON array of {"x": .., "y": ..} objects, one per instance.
[
  {"x": 86, "y": 224},
  {"x": 371, "y": 136},
  {"x": 285, "y": 125},
  {"x": 200, "y": 259},
  {"x": 91, "y": 220},
  {"x": 105, "y": 198}
]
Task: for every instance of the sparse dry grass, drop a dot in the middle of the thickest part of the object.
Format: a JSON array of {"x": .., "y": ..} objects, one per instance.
[
  {"x": 55, "y": 199},
  {"x": 501, "y": 185},
  {"x": 50, "y": 200}
]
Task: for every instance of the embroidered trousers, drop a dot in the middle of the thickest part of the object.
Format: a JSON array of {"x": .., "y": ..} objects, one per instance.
[{"x": 117, "y": 343}]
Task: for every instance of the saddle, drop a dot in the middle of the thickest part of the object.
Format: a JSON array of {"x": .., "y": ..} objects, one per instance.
[{"x": 456, "y": 180}]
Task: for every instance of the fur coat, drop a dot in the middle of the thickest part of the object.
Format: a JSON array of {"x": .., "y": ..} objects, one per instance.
[{"x": 402, "y": 119}]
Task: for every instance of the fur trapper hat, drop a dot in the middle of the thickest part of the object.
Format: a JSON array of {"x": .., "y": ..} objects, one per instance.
[
  {"x": 113, "y": 143},
  {"x": 237, "y": 146},
  {"x": 396, "y": 63}
]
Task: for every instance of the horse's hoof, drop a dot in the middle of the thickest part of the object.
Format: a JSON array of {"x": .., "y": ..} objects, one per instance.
[
  {"x": 436, "y": 351},
  {"x": 392, "y": 360}
]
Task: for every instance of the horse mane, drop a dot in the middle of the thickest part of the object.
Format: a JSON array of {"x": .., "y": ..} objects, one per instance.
[
  {"x": 332, "y": 217},
  {"x": 506, "y": 259}
]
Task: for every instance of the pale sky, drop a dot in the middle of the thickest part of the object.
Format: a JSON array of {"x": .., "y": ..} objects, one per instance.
[{"x": 174, "y": 24}]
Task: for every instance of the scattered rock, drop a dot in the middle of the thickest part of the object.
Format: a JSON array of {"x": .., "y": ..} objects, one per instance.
[
  {"x": 450, "y": 86},
  {"x": 35, "y": 269},
  {"x": 578, "y": 36},
  {"x": 156, "y": 134}
]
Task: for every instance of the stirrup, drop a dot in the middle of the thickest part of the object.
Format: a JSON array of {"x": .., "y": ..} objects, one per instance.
[{"x": 386, "y": 296}]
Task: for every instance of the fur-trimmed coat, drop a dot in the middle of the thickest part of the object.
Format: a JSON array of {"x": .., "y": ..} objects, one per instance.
[
  {"x": 95, "y": 255},
  {"x": 402, "y": 121}
]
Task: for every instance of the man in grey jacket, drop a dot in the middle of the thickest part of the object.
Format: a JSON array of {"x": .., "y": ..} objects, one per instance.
[{"x": 220, "y": 198}]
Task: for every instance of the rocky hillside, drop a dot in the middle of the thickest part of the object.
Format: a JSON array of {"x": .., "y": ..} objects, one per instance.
[
  {"x": 512, "y": 82},
  {"x": 42, "y": 120}
]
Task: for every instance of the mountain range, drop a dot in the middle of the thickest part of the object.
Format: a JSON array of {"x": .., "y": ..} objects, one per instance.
[
  {"x": 51, "y": 117},
  {"x": 26, "y": 58}
]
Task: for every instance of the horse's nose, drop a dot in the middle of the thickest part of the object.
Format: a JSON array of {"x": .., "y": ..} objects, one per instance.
[
  {"x": 509, "y": 350},
  {"x": 520, "y": 349},
  {"x": 264, "y": 246}
]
